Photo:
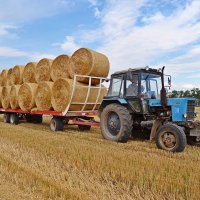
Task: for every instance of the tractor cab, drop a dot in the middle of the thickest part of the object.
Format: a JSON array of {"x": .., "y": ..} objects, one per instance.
[
  {"x": 135, "y": 83},
  {"x": 133, "y": 86}
]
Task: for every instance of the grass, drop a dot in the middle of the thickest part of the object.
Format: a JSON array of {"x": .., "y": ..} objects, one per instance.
[{"x": 38, "y": 164}]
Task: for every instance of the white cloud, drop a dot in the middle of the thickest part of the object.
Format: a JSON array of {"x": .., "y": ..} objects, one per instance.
[
  {"x": 97, "y": 12},
  {"x": 69, "y": 44},
  {"x": 181, "y": 86},
  {"x": 38, "y": 56},
  {"x": 11, "y": 52},
  {"x": 33, "y": 56},
  {"x": 130, "y": 44},
  {"x": 93, "y": 2},
  {"x": 19, "y": 11}
]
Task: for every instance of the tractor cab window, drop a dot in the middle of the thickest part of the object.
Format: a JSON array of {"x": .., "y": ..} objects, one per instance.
[
  {"x": 151, "y": 85},
  {"x": 116, "y": 87},
  {"x": 132, "y": 85}
]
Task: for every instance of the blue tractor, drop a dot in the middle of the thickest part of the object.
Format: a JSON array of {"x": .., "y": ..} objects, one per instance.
[{"x": 137, "y": 103}]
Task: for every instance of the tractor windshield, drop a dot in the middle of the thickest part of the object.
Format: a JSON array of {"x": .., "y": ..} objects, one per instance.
[{"x": 150, "y": 85}]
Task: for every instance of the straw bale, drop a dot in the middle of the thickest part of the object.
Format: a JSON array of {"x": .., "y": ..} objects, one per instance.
[
  {"x": 26, "y": 96},
  {"x": 17, "y": 75},
  {"x": 3, "y": 78},
  {"x": 62, "y": 91},
  {"x": 42, "y": 70},
  {"x": 29, "y": 73},
  {"x": 43, "y": 95},
  {"x": 9, "y": 76},
  {"x": 1, "y": 96},
  {"x": 90, "y": 63},
  {"x": 5, "y": 100},
  {"x": 14, "y": 96},
  {"x": 59, "y": 67}
]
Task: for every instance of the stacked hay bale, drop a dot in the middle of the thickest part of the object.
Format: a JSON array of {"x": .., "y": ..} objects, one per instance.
[{"x": 48, "y": 84}]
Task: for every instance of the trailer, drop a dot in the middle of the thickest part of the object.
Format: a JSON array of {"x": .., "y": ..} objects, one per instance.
[{"x": 85, "y": 119}]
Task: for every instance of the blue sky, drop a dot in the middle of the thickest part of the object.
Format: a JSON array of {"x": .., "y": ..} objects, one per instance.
[{"x": 132, "y": 33}]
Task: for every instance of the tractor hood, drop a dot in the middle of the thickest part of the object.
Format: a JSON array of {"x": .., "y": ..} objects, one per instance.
[{"x": 182, "y": 109}]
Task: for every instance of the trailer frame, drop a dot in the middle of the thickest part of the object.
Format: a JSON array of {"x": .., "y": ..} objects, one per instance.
[{"x": 85, "y": 119}]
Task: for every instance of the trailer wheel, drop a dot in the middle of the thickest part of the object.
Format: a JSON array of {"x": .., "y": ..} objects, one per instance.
[
  {"x": 14, "y": 118},
  {"x": 6, "y": 118},
  {"x": 84, "y": 127},
  {"x": 116, "y": 123},
  {"x": 56, "y": 124},
  {"x": 171, "y": 137}
]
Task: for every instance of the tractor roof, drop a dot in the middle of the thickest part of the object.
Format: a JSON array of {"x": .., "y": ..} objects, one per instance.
[{"x": 141, "y": 69}]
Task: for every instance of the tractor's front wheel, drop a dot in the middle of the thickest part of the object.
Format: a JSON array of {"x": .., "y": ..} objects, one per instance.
[
  {"x": 116, "y": 123},
  {"x": 171, "y": 137}
]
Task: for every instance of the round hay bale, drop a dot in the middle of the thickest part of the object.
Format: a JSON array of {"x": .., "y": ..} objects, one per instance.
[
  {"x": 29, "y": 73},
  {"x": 42, "y": 70},
  {"x": 1, "y": 96},
  {"x": 3, "y": 79},
  {"x": 17, "y": 75},
  {"x": 9, "y": 77},
  {"x": 26, "y": 96},
  {"x": 90, "y": 63},
  {"x": 14, "y": 96},
  {"x": 59, "y": 67},
  {"x": 62, "y": 91},
  {"x": 43, "y": 95},
  {"x": 5, "y": 98}
]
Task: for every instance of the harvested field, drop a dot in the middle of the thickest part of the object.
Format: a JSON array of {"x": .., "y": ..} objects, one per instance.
[{"x": 38, "y": 164}]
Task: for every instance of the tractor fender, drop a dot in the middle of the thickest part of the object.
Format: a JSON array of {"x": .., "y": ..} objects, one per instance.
[{"x": 106, "y": 102}]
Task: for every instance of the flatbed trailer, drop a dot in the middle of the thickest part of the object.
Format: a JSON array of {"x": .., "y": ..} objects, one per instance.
[{"x": 85, "y": 119}]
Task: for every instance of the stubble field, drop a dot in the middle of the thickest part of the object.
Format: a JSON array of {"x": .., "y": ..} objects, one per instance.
[{"x": 38, "y": 164}]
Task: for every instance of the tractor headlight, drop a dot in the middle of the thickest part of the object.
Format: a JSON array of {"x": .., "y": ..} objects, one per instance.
[{"x": 185, "y": 115}]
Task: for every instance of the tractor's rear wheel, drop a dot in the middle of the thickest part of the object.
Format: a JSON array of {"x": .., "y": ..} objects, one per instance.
[
  {"x": 171, "y": 137},
  {"x": 116, "y": 123}
]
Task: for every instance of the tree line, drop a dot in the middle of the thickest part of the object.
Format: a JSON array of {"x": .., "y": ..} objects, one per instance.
[{"x": 195, "y": 92}]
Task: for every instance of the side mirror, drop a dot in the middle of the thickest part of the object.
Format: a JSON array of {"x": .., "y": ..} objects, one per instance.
[{"x": 169, "y": 81}]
